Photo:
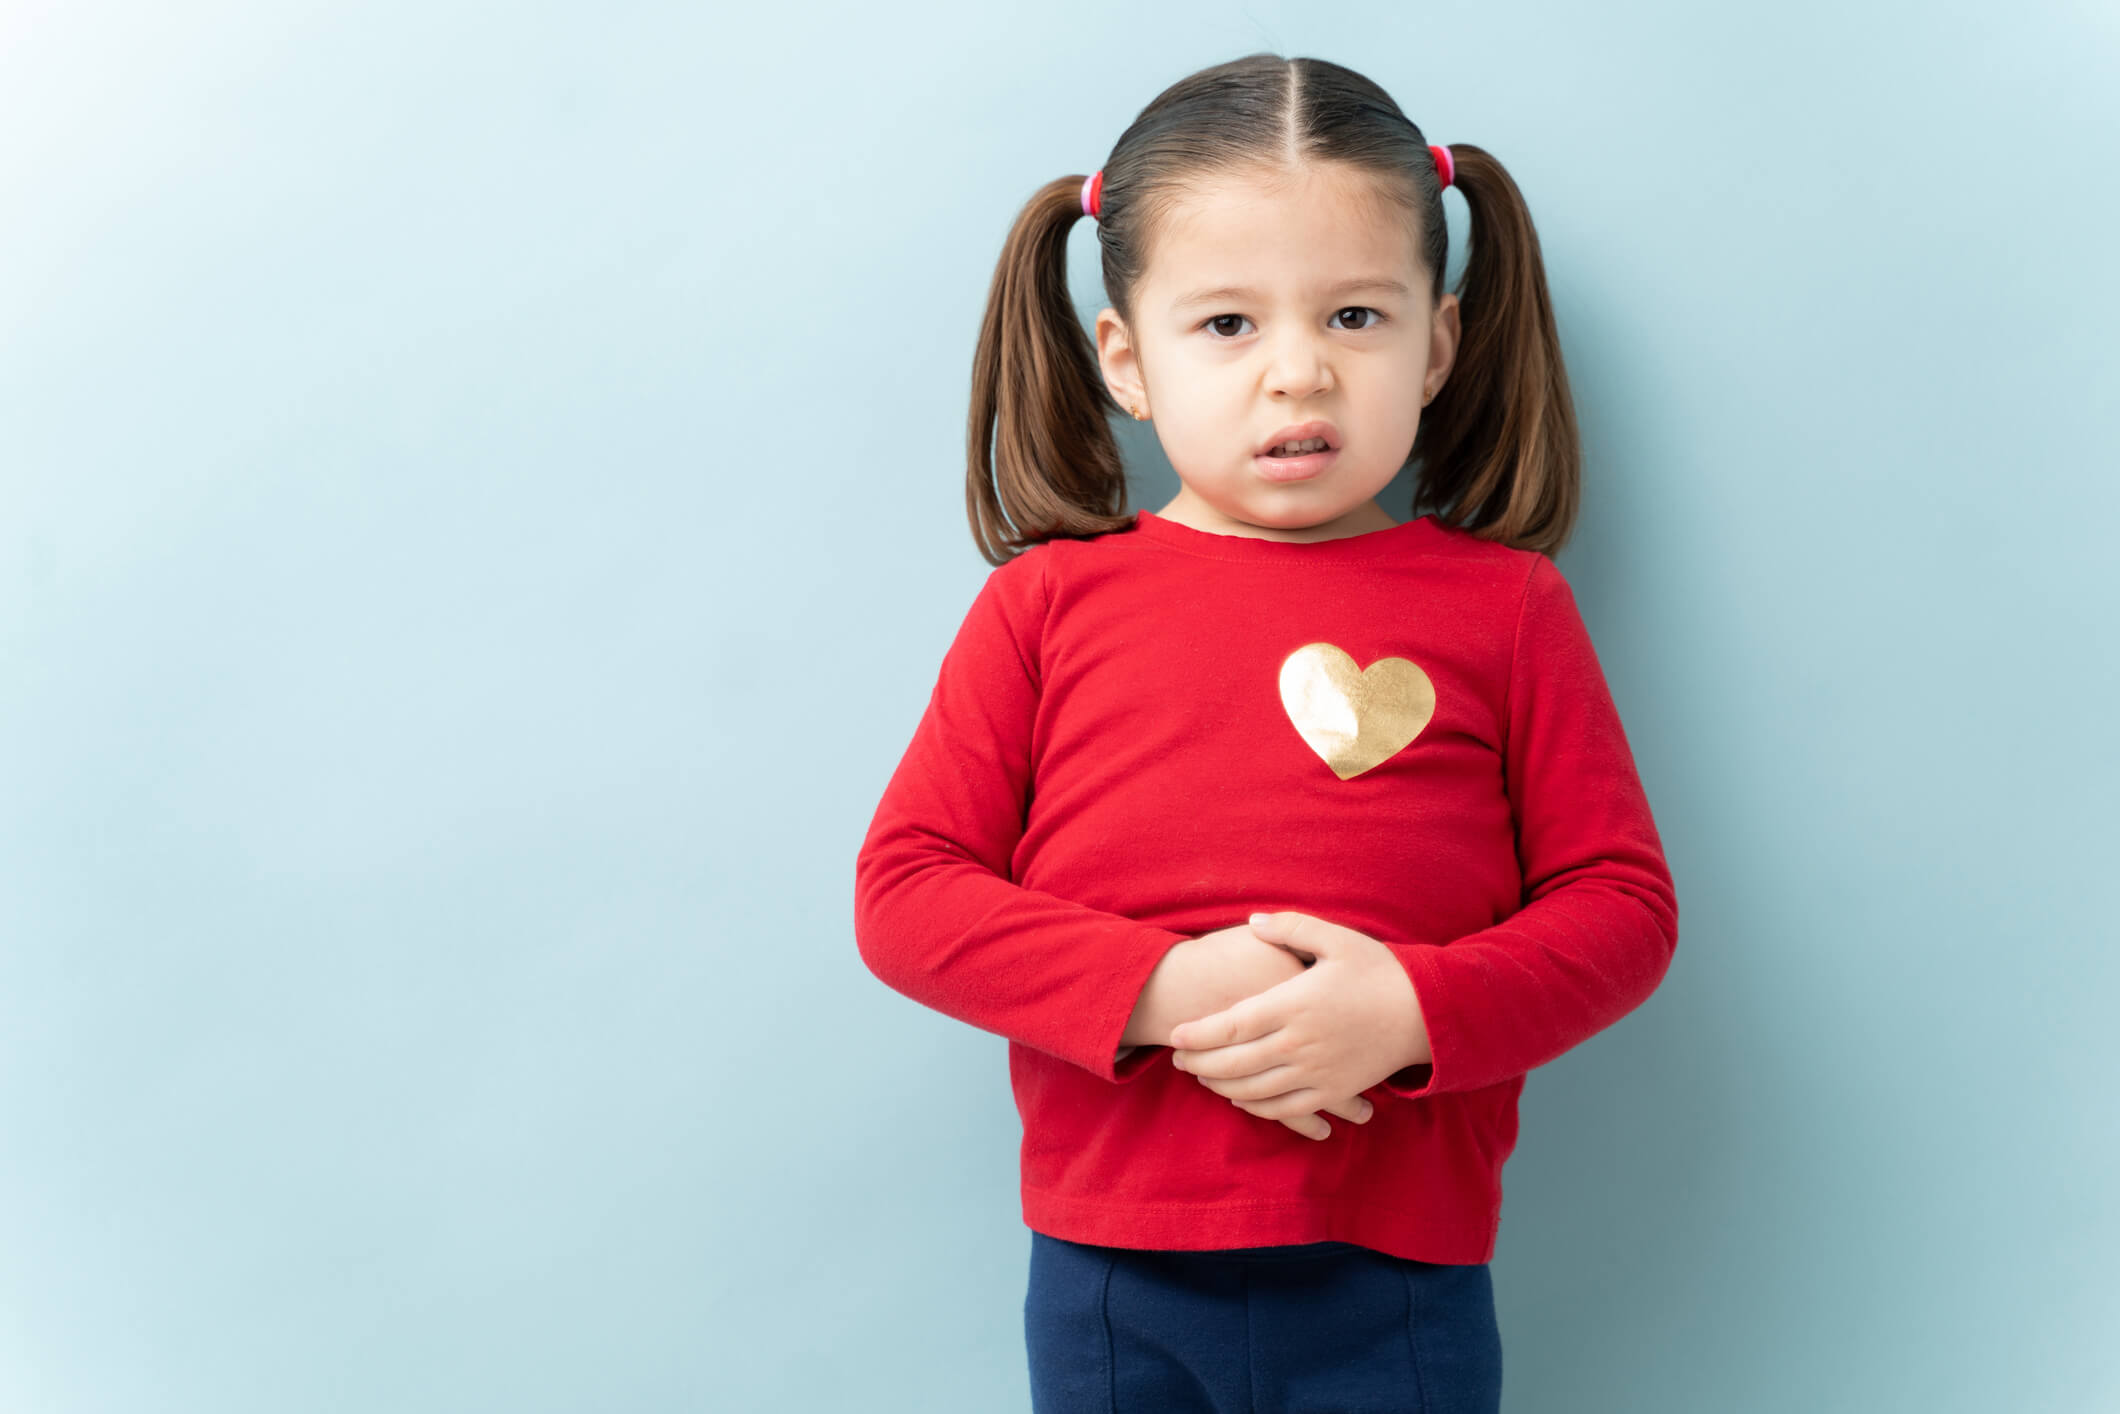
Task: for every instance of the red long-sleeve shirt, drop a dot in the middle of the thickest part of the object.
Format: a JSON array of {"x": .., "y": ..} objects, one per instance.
[{"x": 1146, "y": 736}]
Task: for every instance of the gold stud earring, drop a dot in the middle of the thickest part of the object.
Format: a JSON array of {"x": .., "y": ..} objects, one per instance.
[{"x": 1139, "y": 416}]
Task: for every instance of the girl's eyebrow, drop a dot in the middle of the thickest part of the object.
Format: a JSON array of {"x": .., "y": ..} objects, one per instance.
[{"x": 1345, "y": 287}]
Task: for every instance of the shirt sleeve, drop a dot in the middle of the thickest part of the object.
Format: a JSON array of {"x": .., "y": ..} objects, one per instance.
[
  {"x": 1599, "y": 922},
  {"x": 937, "y": 915}
]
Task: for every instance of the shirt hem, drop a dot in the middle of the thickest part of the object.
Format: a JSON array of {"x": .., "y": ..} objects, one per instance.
[{"x": 1211, "y": 1226}]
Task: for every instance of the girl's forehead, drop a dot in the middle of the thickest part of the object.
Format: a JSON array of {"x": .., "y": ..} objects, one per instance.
[
  {"x": 1303, "y": 182},
  {"x": 1228, "y": 206},
  {"x": 1237, "y": 237}
]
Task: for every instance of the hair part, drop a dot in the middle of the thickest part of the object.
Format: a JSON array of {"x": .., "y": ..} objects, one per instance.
[{"x": 1498, "y": 449}]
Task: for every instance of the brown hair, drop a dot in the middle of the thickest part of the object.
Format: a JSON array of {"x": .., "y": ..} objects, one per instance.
[{"x": 1498, "y": 447}]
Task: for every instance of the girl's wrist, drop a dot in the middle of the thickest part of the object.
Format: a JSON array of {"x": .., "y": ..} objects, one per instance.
[{"x": 1165, "y": 997}]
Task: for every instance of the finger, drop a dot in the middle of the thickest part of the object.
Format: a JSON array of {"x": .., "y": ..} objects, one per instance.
[
  {"x": 1247, "y": 1020},
  {"x": 1285, "y": 927},
  {"x": 1257, "y": 1085},
  {"x": 1310, "y": 1126},
  {"x": 1300, "y": 932},
  {"x": 1286, "y": 1105},
  {"x": 1231, "y": 1062},
  {"x": 1305, "y": 1122},
  {"x": 1355, "y": 1108}
]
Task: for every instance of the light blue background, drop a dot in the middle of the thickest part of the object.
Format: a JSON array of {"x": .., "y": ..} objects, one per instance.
[{"x": 483, "y": 508}]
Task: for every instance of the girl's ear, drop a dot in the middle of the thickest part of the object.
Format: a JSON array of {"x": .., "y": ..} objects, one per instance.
[
  {"x": 1120, "y": 363},
  {"x": 1445, "y": 332}
]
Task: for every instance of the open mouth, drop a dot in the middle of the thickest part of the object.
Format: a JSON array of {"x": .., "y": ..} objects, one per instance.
[{"x": 1301, "y": 439}]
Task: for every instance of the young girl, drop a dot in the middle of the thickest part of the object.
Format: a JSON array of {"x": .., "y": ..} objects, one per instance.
[{"x": 1266, "y": 807}]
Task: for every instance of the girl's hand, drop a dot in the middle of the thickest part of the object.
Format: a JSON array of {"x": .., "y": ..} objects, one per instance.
[
  {"x": 1316, "y": 1040},
  {"x": 1311, "y": 1123},
  {"x": 1231, "y": 964}
]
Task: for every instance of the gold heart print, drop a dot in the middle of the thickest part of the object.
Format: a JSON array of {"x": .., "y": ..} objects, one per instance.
[{"x": 1354, "y": 718}]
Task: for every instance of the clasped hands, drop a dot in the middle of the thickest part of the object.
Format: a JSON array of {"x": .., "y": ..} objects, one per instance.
[{"x": 1316, "y": 1040}]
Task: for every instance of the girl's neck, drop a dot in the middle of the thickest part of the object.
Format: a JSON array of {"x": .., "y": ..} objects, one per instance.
[{"x": 1189, "y": 511}]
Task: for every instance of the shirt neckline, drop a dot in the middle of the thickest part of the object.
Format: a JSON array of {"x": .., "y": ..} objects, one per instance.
[{"x": 1369, "y": 545}]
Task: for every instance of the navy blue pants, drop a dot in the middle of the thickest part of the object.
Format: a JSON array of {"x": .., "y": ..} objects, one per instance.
[{"x": 1312, "y": 1328}]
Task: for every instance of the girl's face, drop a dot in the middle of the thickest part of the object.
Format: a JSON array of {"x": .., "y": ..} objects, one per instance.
[{"x": 1271, "y": 302}]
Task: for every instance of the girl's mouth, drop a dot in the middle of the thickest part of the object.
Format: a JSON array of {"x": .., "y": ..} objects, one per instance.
[{"x": 1295, "y": 468}]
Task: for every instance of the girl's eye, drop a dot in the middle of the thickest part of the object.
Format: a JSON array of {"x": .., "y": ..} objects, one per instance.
[{"x": 1376, "y": 317}]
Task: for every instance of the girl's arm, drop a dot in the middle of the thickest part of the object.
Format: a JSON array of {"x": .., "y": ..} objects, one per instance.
[
  {"x": 1599, "y": 922},
  {"x": 937, "y": 915}
]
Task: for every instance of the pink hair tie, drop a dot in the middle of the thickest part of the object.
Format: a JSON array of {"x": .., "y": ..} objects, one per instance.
[
  {"x": 1444, "y": 167},
  {"x": 1093, "y": 193}
]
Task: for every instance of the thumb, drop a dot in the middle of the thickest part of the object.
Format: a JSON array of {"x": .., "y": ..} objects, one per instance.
[{"x": 1297, "y": 932}]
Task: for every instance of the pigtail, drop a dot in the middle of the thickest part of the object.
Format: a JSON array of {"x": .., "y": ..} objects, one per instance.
[
  {"x": 1042, "y": 458},
  {"x": 1499, "y": 444}
]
